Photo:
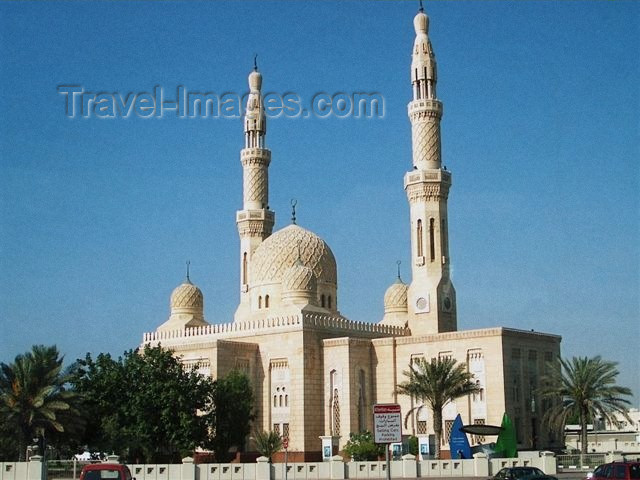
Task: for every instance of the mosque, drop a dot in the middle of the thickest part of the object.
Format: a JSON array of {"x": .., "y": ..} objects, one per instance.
[{"x": 316, "y": 374}]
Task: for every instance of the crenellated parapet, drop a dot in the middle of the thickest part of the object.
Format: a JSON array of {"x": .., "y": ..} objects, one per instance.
[{"x": 248, "y": 328}]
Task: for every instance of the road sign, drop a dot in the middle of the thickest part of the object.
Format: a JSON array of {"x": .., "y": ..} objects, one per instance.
[
  {"x": 387, "y": 423},
  {"x": 285, "y": 443}
]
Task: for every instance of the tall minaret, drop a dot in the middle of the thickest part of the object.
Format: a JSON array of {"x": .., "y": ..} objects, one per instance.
[
  {"x": 431, "y": 297},
  {"x": 255, "y": 220}
]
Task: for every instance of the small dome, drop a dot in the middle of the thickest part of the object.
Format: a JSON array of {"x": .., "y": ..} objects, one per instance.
[
  {"x": 187, "y": 296},
  {"x": 299, "y": 278},
  {"x": 255, "y": 81},
  {"x": 284, "y": 248},
  {"x": 421, "y": 23},
  {"x": 395, "y": 298}
]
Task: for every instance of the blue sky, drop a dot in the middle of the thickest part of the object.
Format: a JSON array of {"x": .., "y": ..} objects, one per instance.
[{"x": 540, "y": 131}]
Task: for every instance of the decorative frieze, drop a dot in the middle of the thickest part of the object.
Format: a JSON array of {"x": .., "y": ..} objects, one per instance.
[
  {"x": 418, "y": 109},
  {"x": 252, "y": 157},
  {"x": 255, "y": 228},
  {"x": 427, "y": 191}
]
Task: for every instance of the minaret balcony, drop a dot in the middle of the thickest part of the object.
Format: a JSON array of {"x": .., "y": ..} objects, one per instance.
[
  {"x": 262, "y": 214},
  {"x": 435, "y": 175},
  {"x": 425, "y": 105},
  {"x": 255, "y": 156}
]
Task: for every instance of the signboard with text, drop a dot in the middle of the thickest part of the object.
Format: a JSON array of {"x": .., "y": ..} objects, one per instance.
[{"x": 387, "y": 423}]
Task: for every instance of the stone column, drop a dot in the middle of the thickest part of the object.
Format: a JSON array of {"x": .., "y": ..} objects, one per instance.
[
  {"x": 35, "y": 468},
  {"x": 337, "y": 468},
  {"x": 409, "y": 467},
  {"x": 480, "y": 465},
  {"x": 263, "y": 469},
  {"x": 188, "y": 469},
  {"x": 548, "y": 460}
]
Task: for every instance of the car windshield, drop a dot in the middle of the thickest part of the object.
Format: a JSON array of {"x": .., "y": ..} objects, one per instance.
[
  {"x": 634, "y": 470},
  {"x": 526, "y": 472},
  {"x": 102, "y": 475}
]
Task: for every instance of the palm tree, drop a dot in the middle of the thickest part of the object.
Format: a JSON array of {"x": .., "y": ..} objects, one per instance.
[
  {"x": 268, "y": 443},
  {"x": 33, "y": 395},
  {"x": 436, "y": 383},
  {"x": 583, "y": 388}
]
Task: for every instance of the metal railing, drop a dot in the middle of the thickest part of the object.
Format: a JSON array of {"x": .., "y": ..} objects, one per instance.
[
  {"x": 587, "y": 461},
  {"x": 66, "y": 469}
]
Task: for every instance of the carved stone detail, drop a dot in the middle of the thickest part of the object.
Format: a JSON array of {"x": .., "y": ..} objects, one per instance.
[
  {"x": 256, "y": 185},
  {"x": 288, "y": 246},
  {"x": 426, "y": 141},
  {"x": 255, "y": 228},
  {"x": 427, "y": 191},
  {"x": 187, "y": 295},
  {"x": 299, "y": 278},
  {"x": 252, "y": 157},
  {"x": 395, "y": 298}
]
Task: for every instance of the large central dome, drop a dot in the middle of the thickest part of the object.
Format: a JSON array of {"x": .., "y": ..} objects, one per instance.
[{"x": 281, "y": 250}]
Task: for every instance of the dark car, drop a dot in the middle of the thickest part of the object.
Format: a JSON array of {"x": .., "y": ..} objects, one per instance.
[
  {"x": 105, "y": 471},
  {"x": 518, "y": 473},
  {"x": 617, "y": 471},
  {"x": 542, "y": 477}
]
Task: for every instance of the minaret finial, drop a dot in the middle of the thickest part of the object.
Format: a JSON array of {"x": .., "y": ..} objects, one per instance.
[
  {"x": 188, "y": 265},
  {"x": 294, "y": 202},
  {"x": 255, "y": 57},
  {"x": 398, "y": 264},
  {"x": 421, "y": 9}
]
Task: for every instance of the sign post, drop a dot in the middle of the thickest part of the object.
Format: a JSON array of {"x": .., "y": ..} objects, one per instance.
[
  {"x": 387, "y": 428},
  {"x": 285, "y": 444}
]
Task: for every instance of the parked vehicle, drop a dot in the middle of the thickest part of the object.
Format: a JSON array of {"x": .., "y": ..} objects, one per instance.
[
  {"x": 518, "y": 473},
  {"x": 106, "y": 471},
  {"x": 617, "y": 471},
  {"x": 542, "y": 477}
]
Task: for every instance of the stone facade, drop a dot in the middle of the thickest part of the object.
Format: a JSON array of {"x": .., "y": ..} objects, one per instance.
[{"x": 316, "y": 373}]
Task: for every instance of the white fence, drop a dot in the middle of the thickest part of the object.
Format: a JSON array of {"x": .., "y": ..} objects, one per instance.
[{"x": 335, "y": 469}]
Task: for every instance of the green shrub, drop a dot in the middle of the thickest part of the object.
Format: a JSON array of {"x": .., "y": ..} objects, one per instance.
[{"x": 361, "y": 447}]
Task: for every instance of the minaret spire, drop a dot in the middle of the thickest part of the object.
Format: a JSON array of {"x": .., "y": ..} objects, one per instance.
[
  {"x": 431, "y": 296},
  {"x": 255, "y": 220}
]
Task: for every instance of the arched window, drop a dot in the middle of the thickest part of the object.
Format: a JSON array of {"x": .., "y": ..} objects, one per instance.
[
  {"x": 329, "y": 301},
  {"x": 419, "y": 238},
  {"x": 280, "y": 401},
  {"x": 266, "y": 301},
  {"x": 432, "y": 244},
  {"x": 275, "y": 400},
  {"x": 334, "y": 404},
  {"x": 260, "y": 301},
  {"x": 322, "y": 300},
  {"x": 286, "y": 400},
  {"x": 244, "y": 268}
]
